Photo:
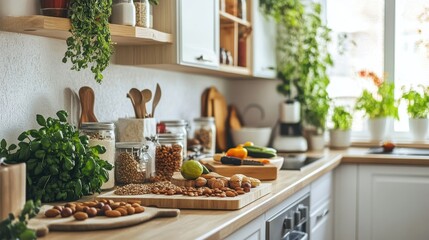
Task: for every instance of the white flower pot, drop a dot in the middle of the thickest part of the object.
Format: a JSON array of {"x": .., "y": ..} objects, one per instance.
[
  {"x": 317, "y": 142},
  {"x": 339, "y": 138},
  {"x": 377, "y": 128},
  {"x": 419, "y": 128}
]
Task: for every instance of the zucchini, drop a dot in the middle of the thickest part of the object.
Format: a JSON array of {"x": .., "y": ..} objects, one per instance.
[{"x": 260, "y": 152}]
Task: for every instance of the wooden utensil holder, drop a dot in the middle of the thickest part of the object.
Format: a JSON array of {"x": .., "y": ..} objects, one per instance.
[{"x": 135, "y": 129}]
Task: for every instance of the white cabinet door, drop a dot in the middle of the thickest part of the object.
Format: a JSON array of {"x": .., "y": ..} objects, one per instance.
[
  {"x": 393, "y": 202},
  {"x": 321, "y": 222},
  {"x": 264, "y": 43},
  {"x": 255, "y": 230},
  {"x": 198, "y": 33}
]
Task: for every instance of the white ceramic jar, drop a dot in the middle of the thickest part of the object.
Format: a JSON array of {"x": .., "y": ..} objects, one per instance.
[{"x": 123, "y": 13}]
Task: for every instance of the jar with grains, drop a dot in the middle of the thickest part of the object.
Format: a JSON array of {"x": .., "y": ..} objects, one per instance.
[
  {"x": 123, "y": 12},
  {"x": 178, "y": 126},
  {"x": 132, "y": 163},
  {"x": 102, "y": 133},
  {"x": 204, "y": 130},
  {"x": 143, "y": 13},
  {"x": 168, "y": 155}
]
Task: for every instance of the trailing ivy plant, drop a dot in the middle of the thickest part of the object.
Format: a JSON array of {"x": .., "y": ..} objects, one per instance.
[
  {"x": 418, "y": 102},
  {"x": 90, "y": 44},
  {"x": 302, "y": 56},
  {"x": 61, "y": 166}
]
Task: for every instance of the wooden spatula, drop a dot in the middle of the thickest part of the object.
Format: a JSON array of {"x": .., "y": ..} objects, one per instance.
[{"x": 87, "y": 99}]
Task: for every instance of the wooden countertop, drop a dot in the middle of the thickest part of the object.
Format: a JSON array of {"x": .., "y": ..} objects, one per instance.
[{"x": 217, "y": 224}]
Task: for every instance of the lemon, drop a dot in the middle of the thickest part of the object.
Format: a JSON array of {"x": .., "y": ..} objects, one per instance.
[{"x": 191, "y": 169}]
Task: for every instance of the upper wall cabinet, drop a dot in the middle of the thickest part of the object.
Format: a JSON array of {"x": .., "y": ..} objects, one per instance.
[
  {"x": 264, "y": 42},
  {"x": 198, "y": 33}
]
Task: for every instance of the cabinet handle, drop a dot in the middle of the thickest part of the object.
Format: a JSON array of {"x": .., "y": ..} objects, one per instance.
[
  {"x": 268, "y": 68},
  {"x": 323, "y": 214},
  {"x": 202, "y": 59}
]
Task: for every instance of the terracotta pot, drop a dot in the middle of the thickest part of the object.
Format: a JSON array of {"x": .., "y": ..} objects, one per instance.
[{"x": 54, "y": 8}]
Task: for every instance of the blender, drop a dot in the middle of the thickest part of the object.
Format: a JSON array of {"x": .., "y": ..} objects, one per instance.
[{"x": 289, "y": 136}]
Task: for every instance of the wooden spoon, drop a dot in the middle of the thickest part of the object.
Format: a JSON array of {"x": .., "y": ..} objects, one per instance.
[
  {"x": 135, "y": 107},
  {"x": 146, "y": 97},
  {"x": 87, "y": 98},
  {"x": 136, "y": 97},
  {"x": 156, "y": 99}
]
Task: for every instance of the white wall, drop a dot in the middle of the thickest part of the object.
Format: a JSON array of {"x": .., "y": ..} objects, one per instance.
[{"x": 33, "y": 80}]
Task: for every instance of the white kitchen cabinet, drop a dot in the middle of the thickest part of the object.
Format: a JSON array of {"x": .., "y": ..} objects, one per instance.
[
  {"x": 264, "y": 43},
  {"x": 198, "y": 33},
  {"x": 375, "y": 202},
  {"x": 321, "y": 208},
  {"x": 255, "y": 230},
  {"x": 393, "y": 202}
]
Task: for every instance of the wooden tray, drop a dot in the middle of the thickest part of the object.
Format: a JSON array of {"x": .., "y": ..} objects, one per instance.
[
  {"x": 267, "y": 172},
  {"x": 201, "y": 202},
  {"x": 98, "y": 222}
]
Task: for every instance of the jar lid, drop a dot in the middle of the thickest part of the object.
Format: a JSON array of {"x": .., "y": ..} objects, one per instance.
[
  {"x": 97, "y": 126},
  {"x": 175, "y": 123},
  {"x": 130, "y": 145},
  {"x": 204, "y": 119},
  {"x": 170, "y": 136}
]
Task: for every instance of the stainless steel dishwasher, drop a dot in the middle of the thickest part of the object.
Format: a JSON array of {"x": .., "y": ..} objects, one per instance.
[{"x": 291, "y": 223}]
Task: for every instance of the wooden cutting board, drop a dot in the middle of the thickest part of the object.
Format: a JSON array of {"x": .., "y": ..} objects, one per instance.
[
  {"x": 200, "y": 202},
  {"x": 267, "y": 172},
  {"x": 98, "y": 222}
]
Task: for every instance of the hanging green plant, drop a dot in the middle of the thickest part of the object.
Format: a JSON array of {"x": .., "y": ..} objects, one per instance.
[{"x": 90, "y": 43}]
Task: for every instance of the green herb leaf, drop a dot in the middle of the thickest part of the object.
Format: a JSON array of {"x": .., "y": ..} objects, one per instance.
[{"x": 41, "y": 120}]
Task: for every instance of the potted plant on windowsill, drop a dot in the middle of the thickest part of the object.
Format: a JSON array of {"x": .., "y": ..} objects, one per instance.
[
  {"x": 340, "y": 134},
  {"x": 418, "y": 110},
  {"x": 379, "y": 106},
  {"x": 302, "y": 58}
]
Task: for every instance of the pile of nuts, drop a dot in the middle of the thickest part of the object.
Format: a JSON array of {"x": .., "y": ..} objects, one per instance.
[
  {"x": 168, "y": 160},
  {"x": 103, "y": 207},
  {"x": 214, "y": 187},
  {"x": 205, "y": 137},
  {"x": 128, "y": 169}
]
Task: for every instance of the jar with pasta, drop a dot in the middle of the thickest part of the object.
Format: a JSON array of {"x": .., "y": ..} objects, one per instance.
[
  {"x": 204, "y": 131},
  {"x": 143, "y": 13},
  {"x": 168, "y": 155}
]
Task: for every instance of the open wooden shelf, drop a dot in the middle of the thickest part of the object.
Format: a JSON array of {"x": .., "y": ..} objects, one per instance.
[
  {"x": 54, "y": 27},
  {"x": 235, "y": 70},
  {"x": 229, "y": 18}
]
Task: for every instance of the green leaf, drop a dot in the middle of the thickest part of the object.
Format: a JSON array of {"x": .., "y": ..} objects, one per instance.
[
  {"x": 23, "y": 136},
  {"x": 62, "y": 116},
  {"x": 12, "y": 147},
  {"x": 41, "y": 120},
  {"x": 3, "y": 144}
]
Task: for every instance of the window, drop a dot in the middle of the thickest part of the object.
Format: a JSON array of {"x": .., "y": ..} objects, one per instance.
[{"x": 380, "y": 36}]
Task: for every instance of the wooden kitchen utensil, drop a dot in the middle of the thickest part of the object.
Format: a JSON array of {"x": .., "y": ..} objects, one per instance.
[
  {"x": 156, "y": 99},
  {"x": 87, "y": 99},
  {"x": 98, "y": 222},
  {"x": 135, "y": 107},
  {"x": 234, "y": 122},
  {"x": 146, "y": 97},
  {"x": 220, "y": 113},
  {"x": 136, "y": 97},
  {"x": 200, "y": 202}
]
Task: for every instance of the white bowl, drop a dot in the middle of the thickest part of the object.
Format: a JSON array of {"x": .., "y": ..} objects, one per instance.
[{"x": 260, "y": 136}]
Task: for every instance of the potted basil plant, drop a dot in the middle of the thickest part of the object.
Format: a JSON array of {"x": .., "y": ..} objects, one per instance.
[
  {"x": 380, "y": 106},
  {"x": 418, "y": 110},
  {"x": 340, "y": 134}
]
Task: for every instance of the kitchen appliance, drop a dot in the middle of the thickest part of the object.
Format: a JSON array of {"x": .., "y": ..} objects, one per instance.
[
  {"x": 296, "y": 161},
  {"x": 288, "y": 132},
  {"x": 292, "y": 223}
]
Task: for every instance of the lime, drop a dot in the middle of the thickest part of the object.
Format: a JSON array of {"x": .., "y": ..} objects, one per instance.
[{"x": 191, "y": 169}]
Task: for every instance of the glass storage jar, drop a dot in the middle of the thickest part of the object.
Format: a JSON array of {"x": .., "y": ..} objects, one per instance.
[
  {"x": 123, "y": 12},
  {"x": 133, "y": 163},
  {"x": 204, "y": 131},
  {"x": 168, "y": 155},
  {"x": 143, "y": 13},
  {"x": 178, "y": 126},
  {"x": 102, "y": 133}
]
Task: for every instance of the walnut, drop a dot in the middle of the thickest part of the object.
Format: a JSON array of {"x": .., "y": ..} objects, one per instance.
[
  {"x": 200, "y": 182},
  {"x": 218, "y": 184}
]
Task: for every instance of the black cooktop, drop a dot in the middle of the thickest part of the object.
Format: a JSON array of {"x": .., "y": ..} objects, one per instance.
[{"x": 296, "y": 161}]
